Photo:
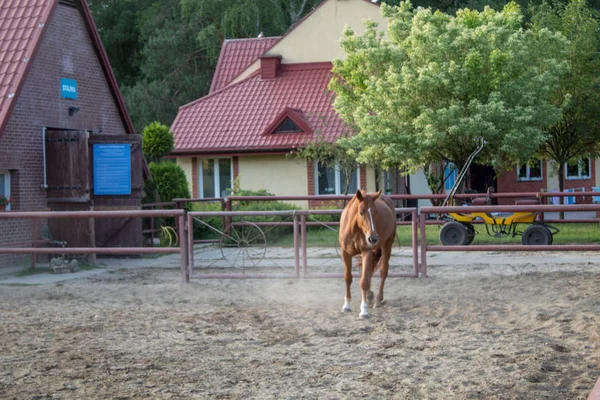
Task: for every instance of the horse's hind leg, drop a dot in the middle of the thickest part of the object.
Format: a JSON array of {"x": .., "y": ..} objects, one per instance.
[
  {"x": 385, "y": 264},
  {"x": 347, "y": 258}
]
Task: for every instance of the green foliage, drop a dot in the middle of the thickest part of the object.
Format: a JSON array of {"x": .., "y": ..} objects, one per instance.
[
  {"x": 201, "y": 231},
  {"x": 437, "y": 82},
  {"x": 164, "y": 52},
  {"x": 577, "y": 134},
  {"x": 157, "y": 141},
  {"x": 170, "y": 181},
  {"x": 330, "y": 154}
]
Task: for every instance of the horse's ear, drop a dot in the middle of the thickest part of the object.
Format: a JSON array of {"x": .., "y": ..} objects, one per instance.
[
  {"x": 359, "y": 195},
  {"x": 377, "y": 195}
]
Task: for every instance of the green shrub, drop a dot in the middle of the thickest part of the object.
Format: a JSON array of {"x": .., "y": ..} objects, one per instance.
[
  {"x": 202, "y": 231},
  {"x": 157, "y": 141},
  {"x": 171, "y": 182}
]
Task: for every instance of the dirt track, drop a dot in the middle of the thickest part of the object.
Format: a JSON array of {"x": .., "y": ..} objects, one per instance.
[{"x": 532, "y": 333}]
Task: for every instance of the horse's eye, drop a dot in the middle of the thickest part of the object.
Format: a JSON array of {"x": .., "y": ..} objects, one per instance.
[{"x": 362, "y": 213}]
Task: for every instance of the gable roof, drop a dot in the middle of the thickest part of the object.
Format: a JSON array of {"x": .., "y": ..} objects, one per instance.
[
  {"x": 22, "y": 26},
  {"x": 236, "y": 55},
  {"x": 291, "y": 29},
  {"x": 236, "y": 119}
]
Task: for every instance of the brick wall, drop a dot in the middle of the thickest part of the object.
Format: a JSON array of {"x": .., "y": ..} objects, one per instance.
[
  {"x": 66, "y": 51},
  {"x": 508, "y": 183}
]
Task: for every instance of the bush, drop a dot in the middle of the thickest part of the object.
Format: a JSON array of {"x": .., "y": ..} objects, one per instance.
[
  {"x": 202, "y": 231},
  {"x": 157, "y": 141},
  {"x": 171, "y": 182}
]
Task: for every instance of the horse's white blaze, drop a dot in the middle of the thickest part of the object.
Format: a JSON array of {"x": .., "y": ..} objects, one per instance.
[
  {"x": 364, "y": 310},
  {"x": 371, "y": 219},
  {"x": 346, "y": 305}
]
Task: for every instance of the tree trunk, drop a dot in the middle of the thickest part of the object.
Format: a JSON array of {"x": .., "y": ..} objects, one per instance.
[{"x": 561, "y": 187}]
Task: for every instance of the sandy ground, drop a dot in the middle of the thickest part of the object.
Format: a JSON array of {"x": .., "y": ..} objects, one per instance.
[{"x": 526, "y": 331}]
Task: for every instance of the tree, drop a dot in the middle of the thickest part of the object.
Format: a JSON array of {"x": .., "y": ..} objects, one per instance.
[
  {"x": 333, "y": 155},
  {"x": 577, "y": 134},
  {"x": 157, "y": 141},
  {"x": 436, "y": 83}
]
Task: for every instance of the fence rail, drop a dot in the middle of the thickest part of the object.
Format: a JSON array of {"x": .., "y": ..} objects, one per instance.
[
  {"x": 92, "y": 251},
  {"x": 509, "y": 209}
]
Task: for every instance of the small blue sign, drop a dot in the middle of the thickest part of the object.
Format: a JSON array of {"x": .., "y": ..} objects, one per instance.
[
  {"x": 112, "y": 169},
  {"x": 68, "y": 88}
]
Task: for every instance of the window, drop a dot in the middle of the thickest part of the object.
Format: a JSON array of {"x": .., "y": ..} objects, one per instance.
[
  {"x": 579, "y": 170},
  {"x": 5, "y": 185},
  {"x": 288, "y": 126},
  {"x": 531, "y": 171},
  {"x": 215, "y": 177},
  {"x": 450, "y": 175},
  {"x": 330, "y": 180}
]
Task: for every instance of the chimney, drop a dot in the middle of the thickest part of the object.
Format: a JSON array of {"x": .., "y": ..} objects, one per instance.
[{"x": 269, "y": 66}]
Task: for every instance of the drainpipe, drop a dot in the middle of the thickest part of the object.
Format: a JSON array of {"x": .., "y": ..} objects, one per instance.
[{"x": 45, "y": 184}]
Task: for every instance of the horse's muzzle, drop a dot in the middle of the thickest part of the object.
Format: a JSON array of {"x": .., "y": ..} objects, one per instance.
[{"x": 373, "y": 239}]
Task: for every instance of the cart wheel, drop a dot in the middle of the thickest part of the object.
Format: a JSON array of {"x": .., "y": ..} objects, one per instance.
[
  {"x": 244, "y": 245},
  {"x": 470, "y": 234},
  {"x": 536, "y": 235},
  {"x": 453, "y": 234}
]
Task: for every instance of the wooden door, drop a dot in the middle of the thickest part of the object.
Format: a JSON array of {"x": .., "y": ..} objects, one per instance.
[{"x": 68, "y": 185}]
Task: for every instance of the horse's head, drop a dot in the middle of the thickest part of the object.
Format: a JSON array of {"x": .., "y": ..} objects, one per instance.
[{"x": 367, "y": 215}]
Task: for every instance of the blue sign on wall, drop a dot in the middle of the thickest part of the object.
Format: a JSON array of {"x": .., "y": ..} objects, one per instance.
[
  {"x": 68, "y": 88},
  {"x": 112, "y": 169}
]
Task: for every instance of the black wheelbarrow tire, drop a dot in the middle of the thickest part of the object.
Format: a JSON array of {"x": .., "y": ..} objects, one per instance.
[
  {"x": 536, "y": 235},
  {"x": 453, "y": 233}
]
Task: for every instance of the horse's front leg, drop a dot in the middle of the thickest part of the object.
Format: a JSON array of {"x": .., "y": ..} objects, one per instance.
[
  {"x": 347, "y": 258},
  {"x": 386, "y": 252},
  {"x": 365, "y": 283}
]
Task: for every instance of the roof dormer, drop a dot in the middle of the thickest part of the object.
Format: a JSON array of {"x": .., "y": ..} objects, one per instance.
[{"x": 289, "y": 121}]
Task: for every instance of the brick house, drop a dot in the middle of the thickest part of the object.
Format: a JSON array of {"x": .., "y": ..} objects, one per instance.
[
  {"x": 269, "y": 96},
  {"x": 56, "y": 82}
]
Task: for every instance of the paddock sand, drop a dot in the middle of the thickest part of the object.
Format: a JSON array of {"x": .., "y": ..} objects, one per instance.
[{"x": 467, "y": 332}]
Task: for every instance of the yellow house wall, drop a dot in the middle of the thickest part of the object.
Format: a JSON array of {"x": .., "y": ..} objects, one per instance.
[
  {"x": 551, "y": 176},
  {"x": 316, "y": 39},
  {"x": 370, "y": 178},
  {"x": 186, "y": 165},
  {"x": 279, "y": 175}
]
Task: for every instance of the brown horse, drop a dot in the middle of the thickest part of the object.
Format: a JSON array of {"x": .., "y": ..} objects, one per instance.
[{"x": 368, "y": 228}]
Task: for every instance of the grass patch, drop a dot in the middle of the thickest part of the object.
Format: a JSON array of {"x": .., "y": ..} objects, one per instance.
[{"x": 569, "y": 234}]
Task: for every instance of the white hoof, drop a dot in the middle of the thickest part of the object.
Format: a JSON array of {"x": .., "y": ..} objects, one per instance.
[
  {"x": 364, "y": 311},
  {"x": 346, "y": 307}
]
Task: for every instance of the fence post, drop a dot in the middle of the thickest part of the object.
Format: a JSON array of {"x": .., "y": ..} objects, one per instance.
[
  {"x": 185, "y": 276},
  {"x": 422, "y": 226},
  {"x": 190, "y": 244},
  {"x": 296, "y": 247},
  {"x": 415, "y": 242},
  {"x": 304, "y": 256}
]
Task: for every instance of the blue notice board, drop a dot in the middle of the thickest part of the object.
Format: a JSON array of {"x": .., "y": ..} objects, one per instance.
[
  {"x": 68, "y": 88},
  {"x": 112, "y": 169}
]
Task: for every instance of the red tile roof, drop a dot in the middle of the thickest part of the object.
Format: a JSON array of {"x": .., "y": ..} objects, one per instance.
[
  {"x": 237, "y": 55},
  {"x": 22, "y": 25},
  {"x": 236, "y": 118}
]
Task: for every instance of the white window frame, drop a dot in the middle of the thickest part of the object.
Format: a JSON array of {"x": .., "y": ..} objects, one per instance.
[
  {"x": 6, "y": 185},
  {"x": 217, "y": 185},
  {"x": 528, "y": 177},
  {"x": 338, "y": 179},
  {"x": 580, "y": 174}
]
